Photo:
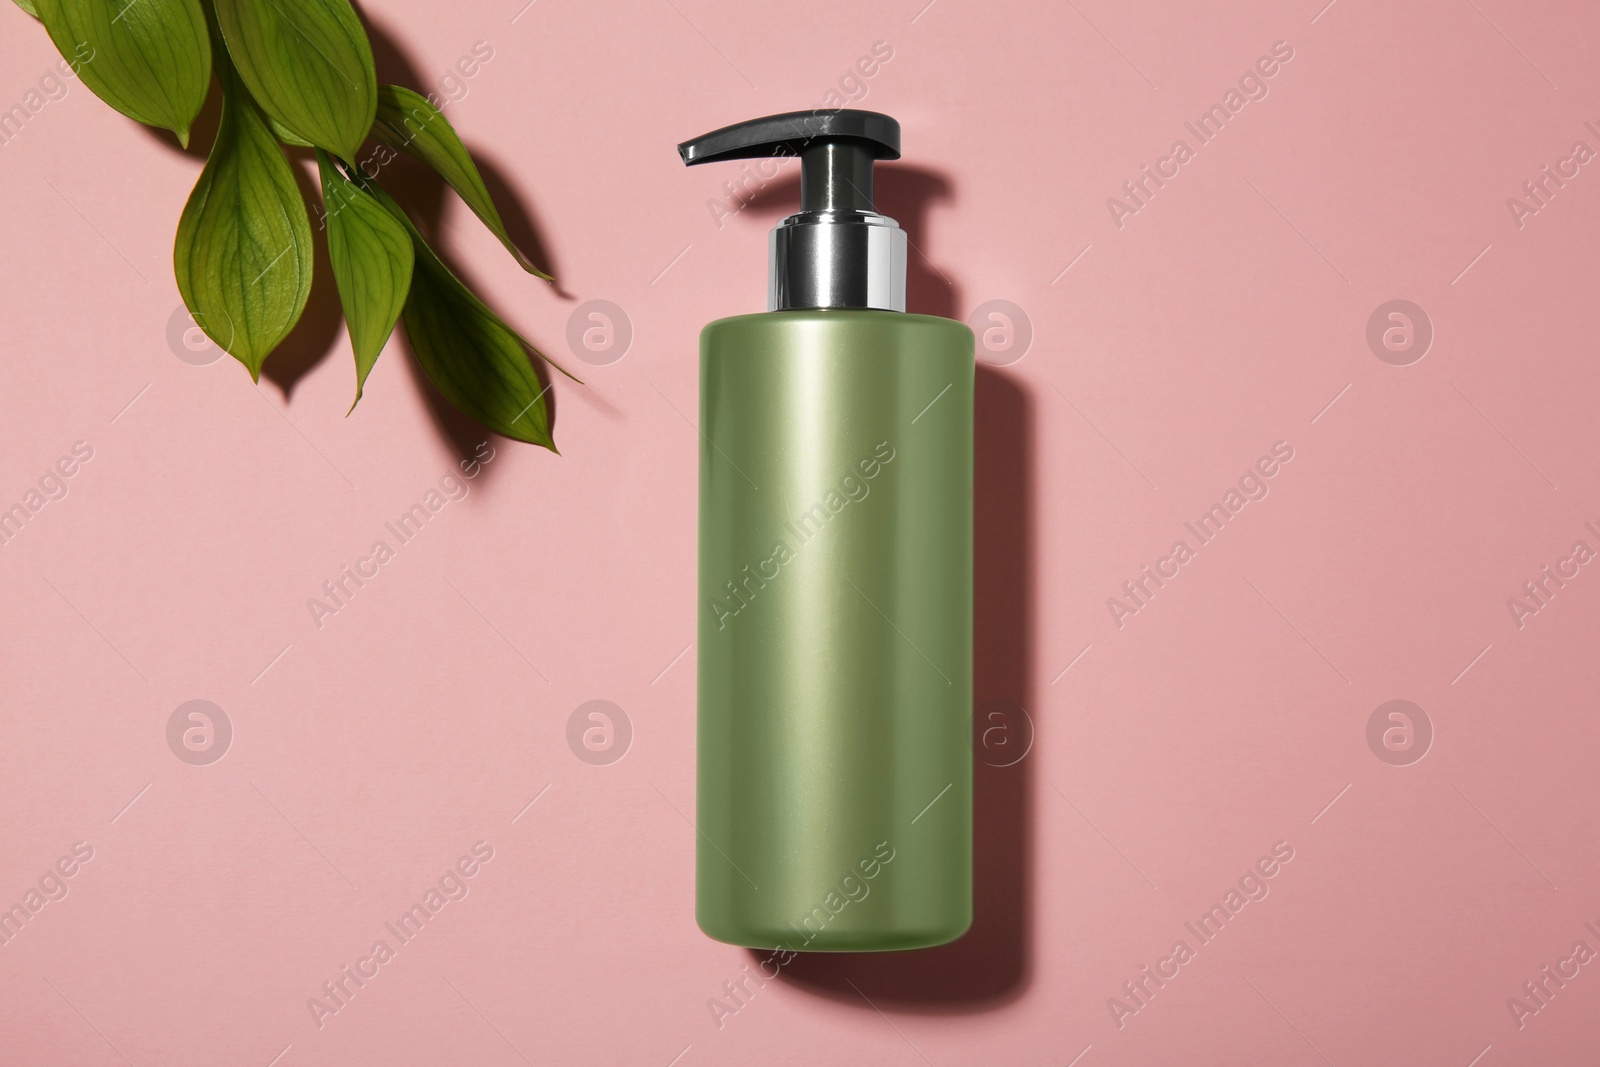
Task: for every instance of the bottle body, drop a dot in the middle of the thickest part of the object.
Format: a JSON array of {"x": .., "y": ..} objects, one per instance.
[{"x": 834, "y": 802}]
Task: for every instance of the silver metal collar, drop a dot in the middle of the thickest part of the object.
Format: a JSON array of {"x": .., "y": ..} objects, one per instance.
[{"x": 838, "y": 259}]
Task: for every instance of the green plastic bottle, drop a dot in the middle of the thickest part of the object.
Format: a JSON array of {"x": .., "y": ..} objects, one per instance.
[{"x": 835, "y": 577}]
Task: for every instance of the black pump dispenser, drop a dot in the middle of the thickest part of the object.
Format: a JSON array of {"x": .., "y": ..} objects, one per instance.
[
  {"x": 836, "y": 150},
  {"x": 838, "y": 252}
]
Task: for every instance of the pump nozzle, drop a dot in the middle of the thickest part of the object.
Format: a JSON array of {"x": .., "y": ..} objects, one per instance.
[{"x": 838, "y": 252}]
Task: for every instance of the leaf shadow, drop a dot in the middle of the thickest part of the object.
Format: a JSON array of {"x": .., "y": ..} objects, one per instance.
[
  {"x": 317, "y": 329},
  {"x": 521, "y": 223},
  {"x": 317, "y": 332},
  {"x": 425, "y": 195},
  {"x": 201, "y": 133}
]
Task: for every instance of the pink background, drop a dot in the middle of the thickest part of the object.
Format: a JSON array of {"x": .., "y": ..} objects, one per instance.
[{"x": 1227, "y": 715}]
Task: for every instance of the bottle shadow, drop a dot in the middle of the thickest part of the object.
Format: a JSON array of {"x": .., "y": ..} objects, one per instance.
[
  {"x": 425, "y": 194},
  {"x": 992, "y": 964}
]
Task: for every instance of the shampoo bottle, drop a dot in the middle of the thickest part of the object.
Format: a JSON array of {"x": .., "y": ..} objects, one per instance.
[{"x": 834, "y": 807}]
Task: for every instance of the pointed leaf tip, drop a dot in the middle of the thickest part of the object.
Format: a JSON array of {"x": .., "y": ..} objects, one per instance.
[
  {"x": 474, "y": 359},
  {"x": 373, "y": 261},
  {"x": 150, "y": 60},
  {"x": 408, "y": 121},
  {"x": 243, "y": 254}
]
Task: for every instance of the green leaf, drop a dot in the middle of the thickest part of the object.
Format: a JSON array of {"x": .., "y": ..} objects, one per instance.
[
  {"x": 372, "y": 262},
  {"x": 308, "y": 64},
  {"x": 27, "y": 6},
  {"x": 243, "y": 254},
  {"x": 407, "y": 120},
  {"x": 286, "y": 135},
  {"x": 149, "y": 59},
  {"x": 473, "y": 358}
]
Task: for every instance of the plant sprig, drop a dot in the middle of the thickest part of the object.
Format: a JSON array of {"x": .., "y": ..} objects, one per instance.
[{"x": 301, "y": 73}]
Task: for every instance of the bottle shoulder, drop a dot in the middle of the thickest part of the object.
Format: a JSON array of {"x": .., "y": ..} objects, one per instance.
[{"x": 837, "y": 318}]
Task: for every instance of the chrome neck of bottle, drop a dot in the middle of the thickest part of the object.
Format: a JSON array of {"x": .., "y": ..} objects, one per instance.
[{"x": 838, "y": 259}]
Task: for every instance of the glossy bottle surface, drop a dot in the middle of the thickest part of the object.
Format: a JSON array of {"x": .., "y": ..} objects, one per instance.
[{"x": 835, "y": 631}]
